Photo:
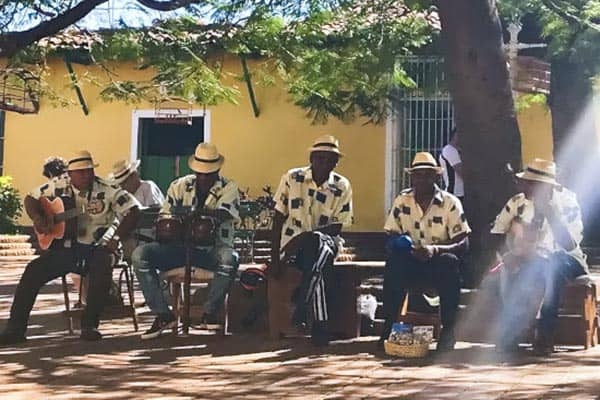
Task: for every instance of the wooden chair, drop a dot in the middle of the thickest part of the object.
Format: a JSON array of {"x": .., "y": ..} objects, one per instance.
[
  {"x": 125, "y": 277},
  {"x": 176, "y": 279}
]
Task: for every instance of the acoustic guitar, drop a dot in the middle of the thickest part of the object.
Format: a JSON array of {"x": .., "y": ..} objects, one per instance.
[{"x": 64, "y": 214}]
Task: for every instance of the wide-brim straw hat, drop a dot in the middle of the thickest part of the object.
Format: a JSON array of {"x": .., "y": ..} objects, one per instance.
[
  {"x": 539, "y": 170},
  {"x": 424, "y": 161},
  {"x": 81, "y": 159},
  {"x": 326, "y": 143},
  {"x": 121, "y": 170},
  {"x": 206, "y": 159}
]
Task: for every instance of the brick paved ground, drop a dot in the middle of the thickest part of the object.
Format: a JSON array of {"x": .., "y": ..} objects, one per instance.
[{"x": 53, "y": 365}]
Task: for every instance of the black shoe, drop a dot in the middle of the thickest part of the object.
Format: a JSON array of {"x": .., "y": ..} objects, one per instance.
[
  {"x": 210, "y": 322},
  {"x": 320, "y": 336},
  {"x": 543, "y": 346},
  {"x": 507, "y": 347},
  {"x": 446, "y": 341},
  {"x": 90, "y": 334},
  {"x": 157, "y": 327},
  {"x": 299, "y": 317},
  {"x": 9, "y": 337},
  {"x": 78, "y": 305}
]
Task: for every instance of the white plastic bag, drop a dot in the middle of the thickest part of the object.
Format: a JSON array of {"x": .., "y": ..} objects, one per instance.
[{"x": 366, "y": 305}]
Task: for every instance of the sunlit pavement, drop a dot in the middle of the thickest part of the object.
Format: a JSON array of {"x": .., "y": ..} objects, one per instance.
[{"x": 53, "y": 365}]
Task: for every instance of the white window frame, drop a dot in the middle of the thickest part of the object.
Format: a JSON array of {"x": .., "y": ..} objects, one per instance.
[{"x": 136, "y": 115}]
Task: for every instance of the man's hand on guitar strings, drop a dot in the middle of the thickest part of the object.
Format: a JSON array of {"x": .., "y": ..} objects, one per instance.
[{"x": 43, "y": 224}]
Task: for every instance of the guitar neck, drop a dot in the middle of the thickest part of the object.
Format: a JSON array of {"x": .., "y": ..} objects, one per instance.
[{"x": 66, "y": 215}]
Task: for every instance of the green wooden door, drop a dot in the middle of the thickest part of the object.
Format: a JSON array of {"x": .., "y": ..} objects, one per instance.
[{"x": 165, "y": 149}]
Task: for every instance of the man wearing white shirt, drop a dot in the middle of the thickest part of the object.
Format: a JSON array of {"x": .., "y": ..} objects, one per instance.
[
  {"x": 125, "y": 174},
  {"x": 452, "y": 165}
]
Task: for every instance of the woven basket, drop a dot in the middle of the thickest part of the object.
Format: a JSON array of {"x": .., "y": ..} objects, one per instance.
[{"x": 416, "y": 350}]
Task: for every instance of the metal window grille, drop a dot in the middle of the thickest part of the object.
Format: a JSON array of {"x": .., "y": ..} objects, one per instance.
[{"x": 423, "y": 116}]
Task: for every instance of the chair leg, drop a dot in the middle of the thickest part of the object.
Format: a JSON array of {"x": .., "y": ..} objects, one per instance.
[
  {"x": 129, "y": 282},
  {"x": 176, "y": 295},
  {"x": 65, "y": 289},
  {"x": 226, "y": 311}
]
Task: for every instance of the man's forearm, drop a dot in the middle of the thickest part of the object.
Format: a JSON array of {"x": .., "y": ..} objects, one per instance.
[
  {"x": 561, "y": 233},
  {"x": 460, "y": 245},
  {"x": 278, "y": 220},
  {"x": 128, "y": 223}
]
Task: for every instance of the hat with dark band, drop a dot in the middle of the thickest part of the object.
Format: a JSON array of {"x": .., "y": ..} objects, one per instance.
[{"x": 206, "y": 159}]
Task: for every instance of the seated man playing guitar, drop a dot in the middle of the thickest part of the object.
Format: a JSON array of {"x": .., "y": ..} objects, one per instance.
[
  {"x": 208, "y": 197},
  {"x": 88, "y": 249}
]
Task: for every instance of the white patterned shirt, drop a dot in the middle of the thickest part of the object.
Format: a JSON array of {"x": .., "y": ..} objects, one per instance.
[
  {"x": 102, "y": 206},
  {"x": 443, "y": 220},
  {"x": 223, "y": 195},
  {"x": 521, "y": 210},
  {"x": 308, "y": 206}
]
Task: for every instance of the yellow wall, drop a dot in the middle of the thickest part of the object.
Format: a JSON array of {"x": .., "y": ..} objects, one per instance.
[
  {"x": 535, "y": 124},
  {"x": 257, "y": 150}
]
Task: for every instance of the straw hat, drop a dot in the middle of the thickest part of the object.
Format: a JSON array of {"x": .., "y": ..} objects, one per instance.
[
  {"x": 424, "y": 160},
  {"x": 121, "y": 170},
  {"x": 81, "y": 159},
  {"x": 327, "y": 143},
  {"x": 206, "y": 159},
  {"x": 539, "y": 170}
]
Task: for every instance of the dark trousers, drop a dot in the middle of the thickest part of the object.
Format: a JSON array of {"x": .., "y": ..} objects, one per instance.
[
  {"x": 403, "y": 271},
  {"x": 559, "y": 269},
  {"x": 53, "y": 264},
  {"x": 315, "y": 259}
]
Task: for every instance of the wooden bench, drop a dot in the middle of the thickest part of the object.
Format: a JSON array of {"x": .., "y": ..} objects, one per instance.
[
  {"x": 361, "y": 249},
  {"x": 577, "y": 317},
  {"x": 418, "y": 313}
]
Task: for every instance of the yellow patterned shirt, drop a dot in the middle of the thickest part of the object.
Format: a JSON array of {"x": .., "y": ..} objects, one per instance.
[
  {"x": 102, "y": 207},
  {"x": 223, "y": 195},
  {"x": 443, "y": 220},
  {"x": 308, "y": 206}
]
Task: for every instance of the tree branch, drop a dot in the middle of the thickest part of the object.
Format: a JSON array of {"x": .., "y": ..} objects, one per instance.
[
  {"x": 166, "y": 5},
  {"x": 569, "y": 17},
  {"x": 11, "y": 43}
]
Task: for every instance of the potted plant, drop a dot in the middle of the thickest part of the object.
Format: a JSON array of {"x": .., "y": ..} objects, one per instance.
[{"x": 10, "y": 206}]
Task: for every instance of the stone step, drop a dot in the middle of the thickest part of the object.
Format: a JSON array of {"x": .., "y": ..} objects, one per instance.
[
  {"x": 14, "y": 238},
  {"x": 16, "y": 259},
  {"x": 17, "y": 252},
  {"x": 18, "y": 245}
]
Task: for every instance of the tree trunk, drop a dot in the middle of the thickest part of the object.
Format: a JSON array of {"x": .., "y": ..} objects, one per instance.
[
  {"x": 574, "y": 137},
  {"x": 484, "y": 113}
]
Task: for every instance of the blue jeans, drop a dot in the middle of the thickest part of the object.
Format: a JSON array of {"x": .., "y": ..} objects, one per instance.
[
  {"x": 539, "y": 280},
  {"x": 150, "y": 259},
  {"x": 561, "y": 268}
]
